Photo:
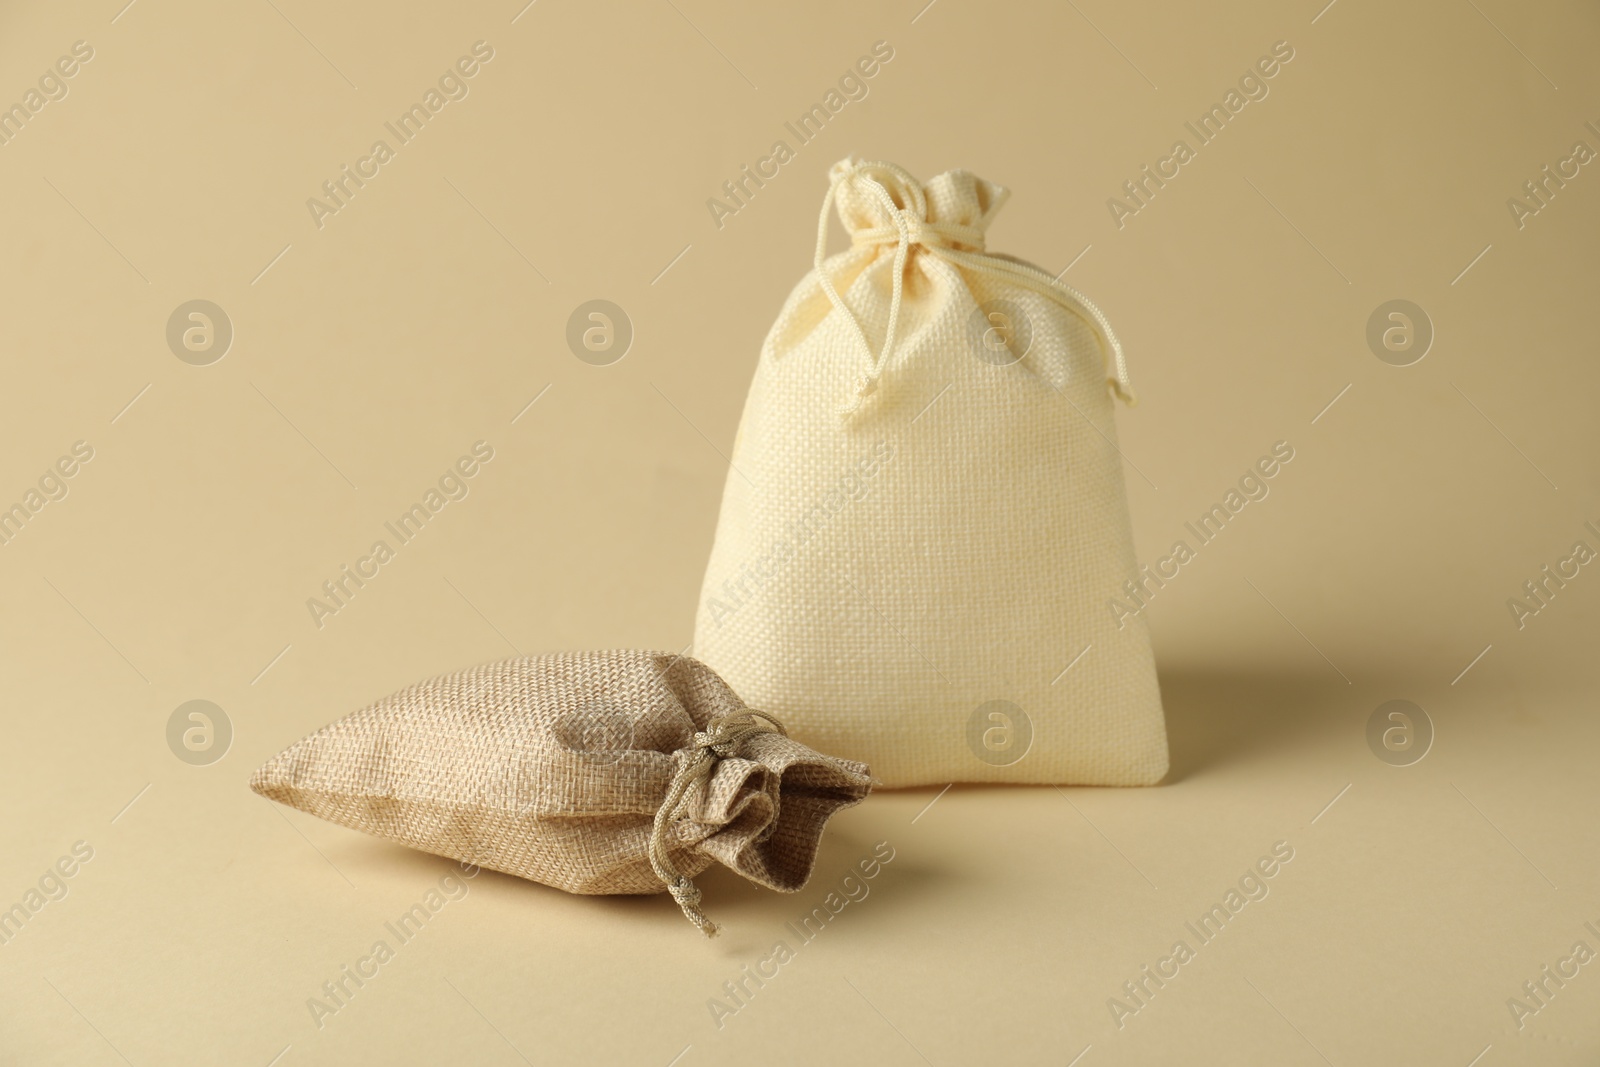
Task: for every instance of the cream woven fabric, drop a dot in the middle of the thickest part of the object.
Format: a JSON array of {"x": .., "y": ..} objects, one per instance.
[
  {"x": 553, "y": 768},
  {"x": 920, "y": 533}
]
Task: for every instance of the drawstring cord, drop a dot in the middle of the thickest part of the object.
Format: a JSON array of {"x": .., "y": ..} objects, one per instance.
[
  {"x": 910, "y": 226},
  {"x": 719, "y": 740},
  {"x": 868, "y": 382}
]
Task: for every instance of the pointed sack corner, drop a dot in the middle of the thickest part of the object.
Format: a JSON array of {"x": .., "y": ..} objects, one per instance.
[{"x": 272, "y": 779}]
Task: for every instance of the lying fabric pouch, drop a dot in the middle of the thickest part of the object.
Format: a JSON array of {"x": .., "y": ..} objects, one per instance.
[{"x": 594, "y": 772}]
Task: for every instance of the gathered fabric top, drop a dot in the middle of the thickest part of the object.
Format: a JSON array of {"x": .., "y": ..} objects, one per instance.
[{"x": 882, "y": 204}]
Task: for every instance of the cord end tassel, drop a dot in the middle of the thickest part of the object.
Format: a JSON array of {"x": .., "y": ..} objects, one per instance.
[
  {"x": 866, "y": 385},
  {"x": 687, "y": 894}
]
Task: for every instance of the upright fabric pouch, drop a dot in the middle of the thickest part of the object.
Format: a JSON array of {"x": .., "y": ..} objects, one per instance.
[
  {"x": 925, "y": 522},
  {"x": 595, "y": 772}
]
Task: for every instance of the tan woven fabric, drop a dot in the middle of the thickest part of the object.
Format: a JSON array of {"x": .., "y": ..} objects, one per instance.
[
  {"x": 919, "y": 541},
  {"x": 553, "y": 768}
]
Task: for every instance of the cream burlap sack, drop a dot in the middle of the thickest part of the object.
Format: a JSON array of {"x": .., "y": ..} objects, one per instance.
[
  {"x": 925, "y": 517},
  {"x": 594, "y": 772}
]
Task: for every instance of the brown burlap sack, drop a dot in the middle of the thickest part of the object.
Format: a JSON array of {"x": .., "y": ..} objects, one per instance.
[{"x": 594, "y": 772}]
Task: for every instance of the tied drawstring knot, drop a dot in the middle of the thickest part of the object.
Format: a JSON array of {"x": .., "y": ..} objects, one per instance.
[
  {"x": 718, "y": 741},
  {"x": 961, "y": 246},
  {"x": 920, "y": 231}
]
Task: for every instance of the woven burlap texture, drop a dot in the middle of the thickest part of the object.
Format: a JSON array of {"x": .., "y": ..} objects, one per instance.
[
  {"x": 880, "y": 577},
  {"x": 552, "y": 768}
]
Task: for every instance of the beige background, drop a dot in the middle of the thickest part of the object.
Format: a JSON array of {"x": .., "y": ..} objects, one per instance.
[{"x": 426, "y": 315}]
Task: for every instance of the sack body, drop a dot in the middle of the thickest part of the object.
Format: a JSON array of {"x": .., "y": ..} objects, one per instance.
[
  {"x": 925, "y": 517},
  {"x": 554, "y": 768}
]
